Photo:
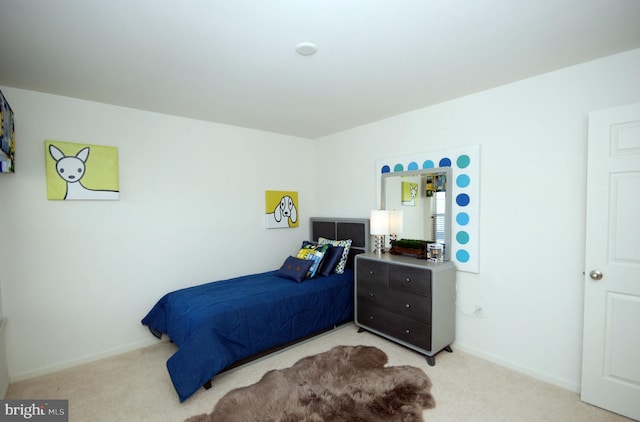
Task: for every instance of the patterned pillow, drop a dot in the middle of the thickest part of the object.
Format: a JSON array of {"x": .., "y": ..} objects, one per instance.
[
  {"x": 294, "y": 269},
  {"x": 314, "y": 252},
  {"x": 346, "y": 244},
  {"x": 331, "y": 259}
]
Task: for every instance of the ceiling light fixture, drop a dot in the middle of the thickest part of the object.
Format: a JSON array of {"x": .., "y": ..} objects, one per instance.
[{"x": 306, "y": 48}]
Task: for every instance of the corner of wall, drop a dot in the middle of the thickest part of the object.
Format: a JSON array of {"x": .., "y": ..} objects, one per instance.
[{"x": 4, "y": 370}]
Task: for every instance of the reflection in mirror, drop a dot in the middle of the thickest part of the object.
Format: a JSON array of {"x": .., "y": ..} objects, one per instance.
[{"x": 425, "y": 202}]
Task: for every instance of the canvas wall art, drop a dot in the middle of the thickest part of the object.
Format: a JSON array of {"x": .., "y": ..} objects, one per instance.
[
  {"x": 7, "y": 137},
  {"x": 81, "y": 171},
  {"x": 409, "y": 193},
  {"x": 281, "y": 209}
]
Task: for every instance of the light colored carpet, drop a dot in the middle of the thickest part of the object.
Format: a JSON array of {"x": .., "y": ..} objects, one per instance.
[{"x": 135, "y": 386}]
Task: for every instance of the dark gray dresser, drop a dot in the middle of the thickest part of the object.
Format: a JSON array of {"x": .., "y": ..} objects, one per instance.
[{"x": 408, "y": 300}]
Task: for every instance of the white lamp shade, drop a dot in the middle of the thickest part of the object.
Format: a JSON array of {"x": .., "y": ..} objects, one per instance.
[
  {"x": 395, "y": 221},
  {"x": 379, "y": 222}
]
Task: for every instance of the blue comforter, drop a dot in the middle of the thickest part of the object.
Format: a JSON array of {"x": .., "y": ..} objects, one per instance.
[{"x": 219, "y": 323}]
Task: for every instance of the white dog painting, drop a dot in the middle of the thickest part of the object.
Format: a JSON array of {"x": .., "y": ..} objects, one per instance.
[
  {"x": 281, "y": 209},
  {"x": 73, "y": 170}
]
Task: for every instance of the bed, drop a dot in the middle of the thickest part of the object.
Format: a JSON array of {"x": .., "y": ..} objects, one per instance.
[{"x": 218, "y": 324}]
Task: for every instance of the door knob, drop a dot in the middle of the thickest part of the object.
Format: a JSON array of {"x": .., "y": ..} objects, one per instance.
[{"x": 596, "y": 275}]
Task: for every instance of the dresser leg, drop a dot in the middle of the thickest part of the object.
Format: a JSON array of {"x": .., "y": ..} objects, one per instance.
[
  {"x": 448, "y": 349},
  {"x": 431, "y": 360},
  {"x": 360, "y": 330}
]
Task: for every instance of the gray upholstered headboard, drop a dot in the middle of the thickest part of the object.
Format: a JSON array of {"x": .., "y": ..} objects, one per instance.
[{"x": 356, "y": 229}]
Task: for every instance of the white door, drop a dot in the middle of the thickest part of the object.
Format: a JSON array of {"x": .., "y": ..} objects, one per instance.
[{"x": 611, "y": 346}]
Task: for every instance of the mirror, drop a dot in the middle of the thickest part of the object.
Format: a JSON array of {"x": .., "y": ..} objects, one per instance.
[{"x": 424, "y": 197}]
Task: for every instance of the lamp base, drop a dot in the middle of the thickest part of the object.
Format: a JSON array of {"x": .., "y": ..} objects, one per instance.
[{"x": 378, "y": 245}]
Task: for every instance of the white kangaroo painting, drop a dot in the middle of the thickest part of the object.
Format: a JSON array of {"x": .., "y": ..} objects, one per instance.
[
  {"x": 72, "y": 168},
  {"x": 409, "y": 196}
]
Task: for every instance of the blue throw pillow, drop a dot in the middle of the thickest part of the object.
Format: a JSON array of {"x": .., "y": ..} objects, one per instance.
[
  {"x": 331, "y": 259},
  {"x": 346, "y": 244},
  {"x": 295, "y": 269}
]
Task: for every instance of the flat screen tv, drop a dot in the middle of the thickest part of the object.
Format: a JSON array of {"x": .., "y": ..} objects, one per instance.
[{"x": 7, "y": 137}]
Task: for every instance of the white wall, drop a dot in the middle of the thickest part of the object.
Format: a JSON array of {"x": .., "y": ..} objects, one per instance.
[
  {"x": 533, "y": 138},
  {"x": 77, "y": 277}
]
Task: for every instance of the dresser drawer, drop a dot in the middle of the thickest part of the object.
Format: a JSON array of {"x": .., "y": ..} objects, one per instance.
[
  {"x": 371, "y": 293},
  {"x": 410, "y": 279},
  {"x": 397, "y": 302},
  {"x": 373, "y": 271},
  {"x": 408, "y": 305},
  {"x": 413, "y": 332},
  {"x": 407, "y": 330}
]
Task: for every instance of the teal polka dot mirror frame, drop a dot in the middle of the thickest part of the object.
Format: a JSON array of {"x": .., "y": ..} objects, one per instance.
[{"x": 465, "y": 165}]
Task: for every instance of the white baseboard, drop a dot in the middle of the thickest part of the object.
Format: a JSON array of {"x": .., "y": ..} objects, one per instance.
[
  {"x": 567, "y": 385},
  {"x": 82, "y": 360}
]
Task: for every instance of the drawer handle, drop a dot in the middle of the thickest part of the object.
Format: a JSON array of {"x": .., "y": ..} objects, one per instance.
[
  {"x": 407, "y": 331},
  {"x": 407, "y": 306},
  {"x": 370, "y": 272},
  {"x": 371, "y": 317},
  {"x": 408, "y": 280},
  {"x": 370, "y": 294}
]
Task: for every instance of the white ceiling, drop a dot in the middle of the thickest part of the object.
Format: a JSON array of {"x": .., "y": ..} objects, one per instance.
[{"x": 234, "y": 62}]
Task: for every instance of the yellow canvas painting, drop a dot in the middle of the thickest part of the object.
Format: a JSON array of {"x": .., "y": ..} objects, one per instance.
[
  {"x": 81, "y": 171},
  {"x": 409, "y": 193},
  {"x": 281, "y": 209}
]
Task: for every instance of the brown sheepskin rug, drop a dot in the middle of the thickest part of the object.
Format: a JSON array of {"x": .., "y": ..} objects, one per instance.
[{"x": 346, "y": 383}]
